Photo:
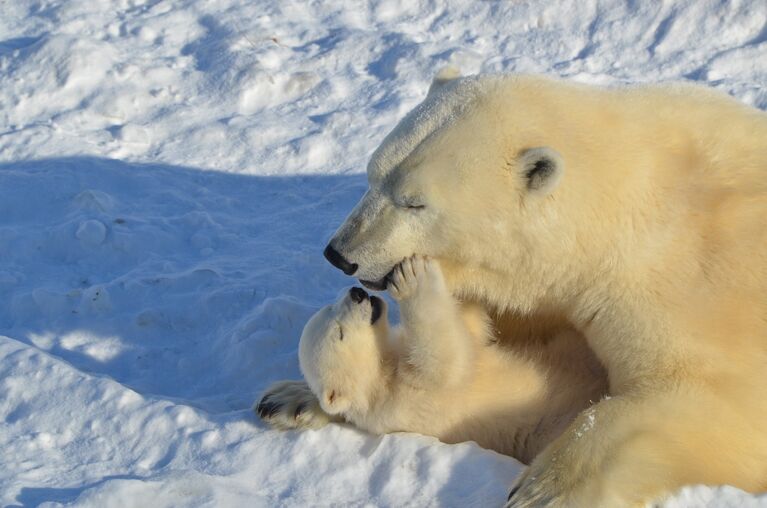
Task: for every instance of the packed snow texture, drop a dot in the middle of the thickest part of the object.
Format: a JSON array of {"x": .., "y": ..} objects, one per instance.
[{"x": 169, "y": 174}]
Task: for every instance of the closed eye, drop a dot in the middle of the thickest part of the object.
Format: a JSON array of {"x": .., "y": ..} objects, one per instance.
[
  {"x": 340, "y": 332},
  {"x": 411, "y": 204}
]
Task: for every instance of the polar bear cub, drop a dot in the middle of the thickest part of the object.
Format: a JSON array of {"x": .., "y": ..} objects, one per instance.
[{"x": 440, "y": 373}]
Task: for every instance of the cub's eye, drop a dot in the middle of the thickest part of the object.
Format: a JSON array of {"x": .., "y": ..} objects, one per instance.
[
  {"x": 416, "y": 207},
  {"x": 340, "y": 332}
]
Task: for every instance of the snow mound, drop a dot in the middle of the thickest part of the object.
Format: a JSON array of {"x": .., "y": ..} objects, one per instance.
[{"x": 169, "y": 175}]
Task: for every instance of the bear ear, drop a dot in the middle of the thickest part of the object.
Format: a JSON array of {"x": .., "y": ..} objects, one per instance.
[
  {"x": 444, "y": 75},
  {"x": 542, "y": 168}
]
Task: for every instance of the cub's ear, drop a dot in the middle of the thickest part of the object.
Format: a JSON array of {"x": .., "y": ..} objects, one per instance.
[
  {"x": 542, "y": 168},
  {"x": 444, "y": 75}
]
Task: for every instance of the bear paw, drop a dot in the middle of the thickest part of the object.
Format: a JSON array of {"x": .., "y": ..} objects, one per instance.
[
  {"x": 415, "y": 276},
  {"x": 543, "y": 483},
  {"x": 291, "y": 405}
]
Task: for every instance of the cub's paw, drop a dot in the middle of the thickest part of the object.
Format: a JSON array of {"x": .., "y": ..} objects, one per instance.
[
  {"x": 414, "y": 276},
  {"x": 291, "y": 405}
]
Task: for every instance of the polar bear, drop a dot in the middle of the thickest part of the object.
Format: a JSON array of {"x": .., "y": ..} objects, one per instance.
[
  {"x": 439, "y": 374},
  {"x": 636, "y": 215}
]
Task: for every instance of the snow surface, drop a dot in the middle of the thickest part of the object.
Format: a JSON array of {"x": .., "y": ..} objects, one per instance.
[{"x": 169, "y": 174}]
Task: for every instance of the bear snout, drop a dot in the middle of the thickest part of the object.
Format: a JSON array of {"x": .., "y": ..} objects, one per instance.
[
  {"x": 336, "y": 259},
  {"x": 358, "y": 295}
]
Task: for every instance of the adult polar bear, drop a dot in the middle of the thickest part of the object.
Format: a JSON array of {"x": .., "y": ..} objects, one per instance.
[{"x": 639, "y": 216}]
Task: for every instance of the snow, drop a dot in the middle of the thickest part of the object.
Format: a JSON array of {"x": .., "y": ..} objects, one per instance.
[{"x": 169, "y": 174}]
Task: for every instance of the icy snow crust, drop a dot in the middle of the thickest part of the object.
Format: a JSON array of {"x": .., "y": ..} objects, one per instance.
[{"x": 169, "y": 174}]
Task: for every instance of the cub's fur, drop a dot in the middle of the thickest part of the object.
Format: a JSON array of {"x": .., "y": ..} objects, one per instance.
[{"x": 441, "y": 373}]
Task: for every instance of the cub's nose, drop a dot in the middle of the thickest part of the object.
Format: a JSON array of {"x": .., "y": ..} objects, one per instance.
[
  {"x": 358, "y": 294},
  {"x": 337, "y": 260}
]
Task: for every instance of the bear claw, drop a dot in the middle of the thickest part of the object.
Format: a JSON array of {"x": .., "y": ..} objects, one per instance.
[
  {"x": 266, "y": 408},
  {"x": 291, "y": 405}
]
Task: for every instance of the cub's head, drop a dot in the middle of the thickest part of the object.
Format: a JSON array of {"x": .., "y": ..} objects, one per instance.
[
  {"x": 341, "y": 351},
  {"x": 464, "y": 170}
]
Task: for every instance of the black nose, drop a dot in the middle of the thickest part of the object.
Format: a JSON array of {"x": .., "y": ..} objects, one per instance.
[
  {"x": 338, "y": 260},
  {"x": 358, "y": 294}
]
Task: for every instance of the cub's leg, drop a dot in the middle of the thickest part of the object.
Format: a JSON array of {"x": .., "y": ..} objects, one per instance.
[
  {"x": 292, "y": 405},
  {"x": 436, "y": 341}
]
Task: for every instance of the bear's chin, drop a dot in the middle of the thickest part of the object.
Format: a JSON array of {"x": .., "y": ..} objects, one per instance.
[
  {"x": 380, "y": 284},
  {"x": 374, "y": 285}
]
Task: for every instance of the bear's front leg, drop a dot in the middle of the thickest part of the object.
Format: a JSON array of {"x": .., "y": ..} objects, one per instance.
[
  {"x": 436, "y": 342},
  {"x": 571, "y": 472},
  {"x": 630, "y": 450},
  {"x": 292, "y": 405}
]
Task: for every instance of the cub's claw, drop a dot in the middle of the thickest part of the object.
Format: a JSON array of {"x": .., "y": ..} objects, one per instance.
[
  {"x": 416, "y": 274},
  {"x": 291, "y": 405},
  {"x": 266, "y": 408}
]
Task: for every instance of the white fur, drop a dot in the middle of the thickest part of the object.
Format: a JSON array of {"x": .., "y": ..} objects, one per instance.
[
  {"x": 441, "y": 373},
  {"x": 651, "y": 244}
]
